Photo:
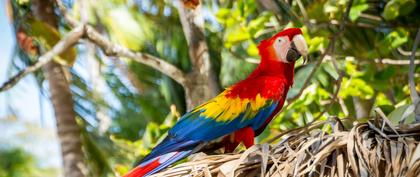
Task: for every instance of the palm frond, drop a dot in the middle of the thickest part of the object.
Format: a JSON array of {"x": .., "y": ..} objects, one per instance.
[{"x": 325, "y": 148}]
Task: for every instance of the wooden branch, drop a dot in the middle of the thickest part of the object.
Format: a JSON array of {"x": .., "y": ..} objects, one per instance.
[
  {"x": 330, "y": 49},
  {"x": 385, "y": 61},
  {"x": 112, "y": 49},
  {"x": 413, "y": 92},
  {"x": 203, "y": 84},
  {"x": 406, "y": 53},
  {"x": 334, "y": 98},
  {"x": 107, "y": 46},
  {"x": 68, "y": 41}
]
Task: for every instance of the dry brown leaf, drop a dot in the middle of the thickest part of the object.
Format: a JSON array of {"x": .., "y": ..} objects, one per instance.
[
  {"x": 364, "y": 150},
  {"x": 192, "y": 4}
]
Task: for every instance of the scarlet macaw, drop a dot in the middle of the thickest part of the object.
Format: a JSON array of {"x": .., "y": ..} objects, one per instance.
[{"x": 239, "y": 113}]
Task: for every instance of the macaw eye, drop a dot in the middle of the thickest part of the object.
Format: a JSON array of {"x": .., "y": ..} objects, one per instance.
[{"x": 281, "y": 40}]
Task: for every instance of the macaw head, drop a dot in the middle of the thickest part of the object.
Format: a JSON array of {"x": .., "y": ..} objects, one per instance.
[{"x": 286, "y": 46}]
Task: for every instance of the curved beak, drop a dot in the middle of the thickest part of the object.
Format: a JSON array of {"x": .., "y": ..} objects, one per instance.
[{"x": 298, "y": 48}]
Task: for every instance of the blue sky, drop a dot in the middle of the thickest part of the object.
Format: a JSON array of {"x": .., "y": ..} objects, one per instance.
[
  {"x": 34, "y": 128},
  {"x": 24, "y": 98}
]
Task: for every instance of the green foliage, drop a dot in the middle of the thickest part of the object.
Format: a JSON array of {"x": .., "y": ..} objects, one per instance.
[
  {"x": 396, "y": 8},
  {"x": 15, "y": 163},
  {"x": 133, "y": 150},
  {"x": 142, "y": 113},
  {"x": 233, "y": 32},
  {"x": 48, "y": 36},
  {"x": 359, "y": 6},
  {"x": 242, "y": 25},
  {"x": 125, "y": 27}
]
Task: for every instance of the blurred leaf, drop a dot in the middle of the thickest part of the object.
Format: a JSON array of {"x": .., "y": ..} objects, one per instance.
[
  {"x": 397, "y": 38},
  {"x": 256, "y": 26},
  {"x": 125, "y": 29},
  {"x": 300, "y": 76},
  {"x": 96, "y": 153},
  {"x": 395, "y": 8},
  {"x": 382, "y": 77},
  {"x": 252, "y": 49},
  {"x": 329, "y": 68},
  {"x": 21, "y": 2},
  {"x": 315, "y": 44},
  {"x": 223, "y": 14},
  {"x": 49, "y": 36},
  {"x": 402, "y": 112},
  {"x": 230, "y": 73},
  {"x": 356, "y": 10},
  {"x": 351, "y": 69},
  {"x": 192, "y": 4},
  {"x": 15, "y": 163},
  {"x": 236, "y": 35},
  {"x": 355, "y": 87}
]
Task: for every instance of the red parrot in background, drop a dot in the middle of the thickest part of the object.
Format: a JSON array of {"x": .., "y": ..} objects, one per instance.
[{"x": 239, "y": 113}]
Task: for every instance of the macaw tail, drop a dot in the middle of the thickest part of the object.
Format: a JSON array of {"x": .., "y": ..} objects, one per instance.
[{"x": 158, "y": 163}]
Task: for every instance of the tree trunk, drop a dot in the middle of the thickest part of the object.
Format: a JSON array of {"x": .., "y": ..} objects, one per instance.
[
  {"x": 67, "y": 127},
  {"x": 202, "y": 82},
  {"x": 363, "y": 107}
]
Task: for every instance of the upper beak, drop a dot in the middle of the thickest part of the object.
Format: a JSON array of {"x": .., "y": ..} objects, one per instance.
[
  {"x": 300, "y": 44},
  {"x": 297, "y": 49}
]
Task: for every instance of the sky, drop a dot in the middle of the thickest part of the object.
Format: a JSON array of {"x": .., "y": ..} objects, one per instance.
[
  {"x": 33, "y": 129},
  {"x": 33, "y": 125}
]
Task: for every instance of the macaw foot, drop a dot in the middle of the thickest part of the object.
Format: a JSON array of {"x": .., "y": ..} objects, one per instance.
[
  {"x": 244, "y": 135},
  {"x": 229, "y": 143}
]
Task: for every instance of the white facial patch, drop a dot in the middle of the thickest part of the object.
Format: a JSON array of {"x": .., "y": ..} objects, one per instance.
[
  {"x": 281, "y": 46},
  {"x": 300, "y": 44}
]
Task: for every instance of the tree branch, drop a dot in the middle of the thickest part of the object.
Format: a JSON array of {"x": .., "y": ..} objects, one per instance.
[
  {"x": 109, "y": 48},
  {"x": 203, "y": 84},
  {"x": 413, "y": 93},
  {"x": 334, "y": 98},
  {"x": 406, "y": 53},
  {"x": 330, "y": 49},
  {"x": 68, "y": 41},
  {"x": 386, "y": 61},
  {"x": 112, "y": 49}
]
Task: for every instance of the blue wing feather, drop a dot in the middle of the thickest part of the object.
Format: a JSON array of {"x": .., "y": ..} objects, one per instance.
[
  {"x": 199, "y": 128},
  {"x": 194, "y": 128}
]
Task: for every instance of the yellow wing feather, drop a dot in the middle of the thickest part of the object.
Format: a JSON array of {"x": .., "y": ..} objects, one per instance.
[{"x": 222, "y": 108}]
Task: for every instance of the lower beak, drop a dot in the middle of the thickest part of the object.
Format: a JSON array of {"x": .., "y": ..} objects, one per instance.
[
  {"x": 293, "y": 54},
  {"x": 298, "y": 47}
]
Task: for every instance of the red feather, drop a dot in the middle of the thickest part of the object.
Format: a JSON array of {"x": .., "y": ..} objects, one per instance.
[
  {"x": 270, "y": 80},
  {"x": 141, "y": 171}
]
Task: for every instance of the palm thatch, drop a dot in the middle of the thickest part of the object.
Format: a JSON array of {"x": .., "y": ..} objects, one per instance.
[{"x": 374, "y": 148}]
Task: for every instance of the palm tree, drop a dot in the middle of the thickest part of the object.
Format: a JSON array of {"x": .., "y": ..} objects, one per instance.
[{"x": 67, "y": 128}]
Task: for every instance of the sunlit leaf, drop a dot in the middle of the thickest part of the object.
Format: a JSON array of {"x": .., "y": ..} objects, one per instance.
[
  {"x": 49, "y": 36},
  {"x": 125, "y": 28},
  {"x": 256, "y": 25},
  {"x": 356, "y": 10},
  {"x": 395, "y": 8},
  {"x": 252, "y": 49},
  {"x": 236, "y": 35},
  {"x": 401, "y": 112},
  {"x": 355, "y": 87}
]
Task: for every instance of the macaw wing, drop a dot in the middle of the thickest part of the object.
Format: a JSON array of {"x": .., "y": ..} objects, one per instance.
[
  {"x": 223, "y": 115},
  {"x": 220, "y": 116}
]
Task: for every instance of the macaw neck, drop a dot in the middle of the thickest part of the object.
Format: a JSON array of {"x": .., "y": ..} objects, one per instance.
[{"x": 274, "y": 68}]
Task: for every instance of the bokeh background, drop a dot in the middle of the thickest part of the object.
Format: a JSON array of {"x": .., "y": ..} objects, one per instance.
[{"x": 123, "y": 108}]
